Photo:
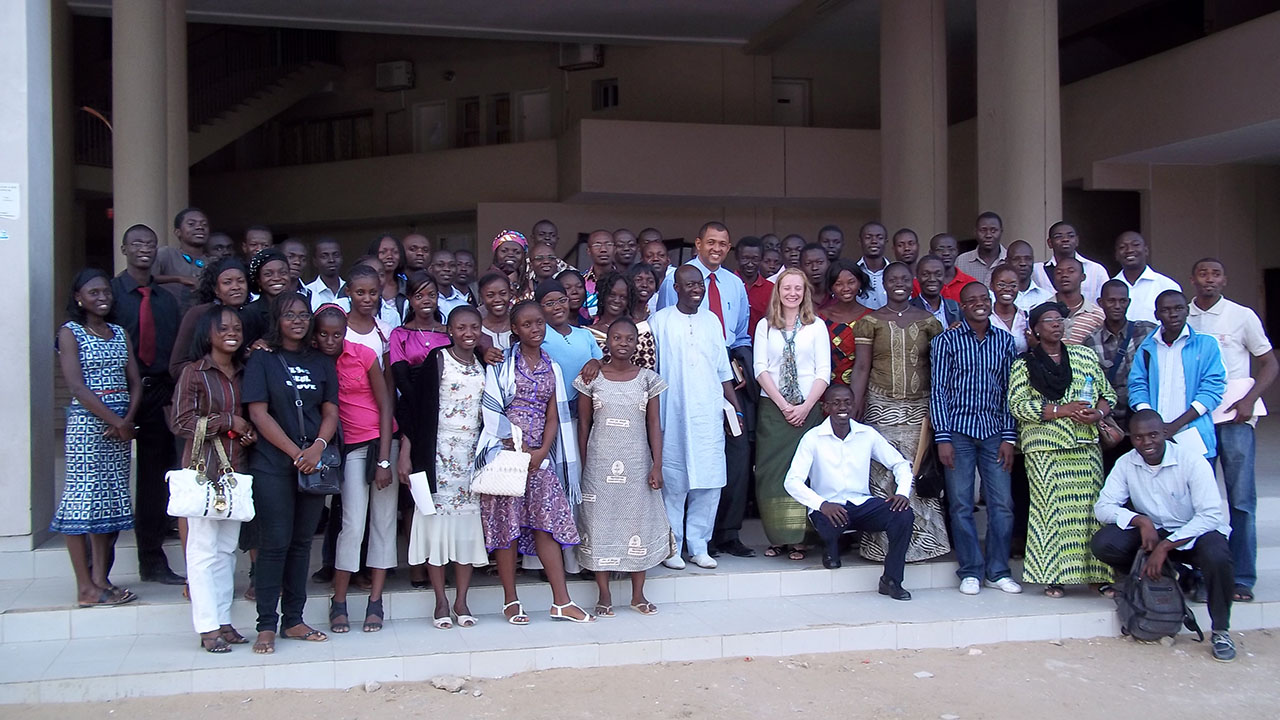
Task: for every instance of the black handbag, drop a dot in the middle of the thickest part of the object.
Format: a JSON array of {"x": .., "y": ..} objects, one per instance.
[
  {"x": 931, "y": 477},
  {"x": 326, "y": 479}
]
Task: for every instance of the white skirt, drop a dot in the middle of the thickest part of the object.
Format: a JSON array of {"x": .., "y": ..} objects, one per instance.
[{"x": 441, "y": 539}]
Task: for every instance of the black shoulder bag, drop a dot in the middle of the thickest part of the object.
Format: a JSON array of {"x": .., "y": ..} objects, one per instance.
[{"x": 325, "y": 480}]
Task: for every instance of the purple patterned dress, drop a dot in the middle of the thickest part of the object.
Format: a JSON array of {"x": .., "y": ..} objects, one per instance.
[{"x": 544, "y": 505}]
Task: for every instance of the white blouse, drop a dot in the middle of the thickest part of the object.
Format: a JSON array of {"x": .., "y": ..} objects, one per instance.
[{"x": 813, "y": 354}]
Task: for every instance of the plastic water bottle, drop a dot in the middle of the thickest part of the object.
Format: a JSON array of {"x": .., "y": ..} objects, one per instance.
[{"x": 1086, "y": 392}]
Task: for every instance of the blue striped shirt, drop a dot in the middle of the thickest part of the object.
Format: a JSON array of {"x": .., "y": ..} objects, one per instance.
[{"x": 970, "y": 378}]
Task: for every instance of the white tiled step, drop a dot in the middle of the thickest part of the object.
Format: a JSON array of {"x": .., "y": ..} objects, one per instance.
[
  {"x": 411, "y": 650},
  {"x": 41, "y": 609}
]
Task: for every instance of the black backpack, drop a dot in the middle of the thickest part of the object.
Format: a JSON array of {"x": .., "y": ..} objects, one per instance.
[{"x": 1153, "y": 609}]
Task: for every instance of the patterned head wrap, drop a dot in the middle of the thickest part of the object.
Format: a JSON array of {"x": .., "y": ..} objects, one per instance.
[
  {"x": 510, "y": 236},
  {"x": 262, "y": 257}
]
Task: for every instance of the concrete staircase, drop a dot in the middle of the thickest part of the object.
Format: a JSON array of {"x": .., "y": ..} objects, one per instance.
[{"x": 50, "y": 652}]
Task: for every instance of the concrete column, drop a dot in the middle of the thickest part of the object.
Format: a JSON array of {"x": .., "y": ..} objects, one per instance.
[
  {"x": 913, "y": 115},
  {"x": 138, "y": 118},
  {"x": 1019, "y": 124},
  {"x": 177, "y": 158},
  {"x": 26, "y": 231}
]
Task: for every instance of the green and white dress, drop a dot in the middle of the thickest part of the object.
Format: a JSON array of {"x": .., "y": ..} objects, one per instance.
[{"x": 1064, "y": 470}]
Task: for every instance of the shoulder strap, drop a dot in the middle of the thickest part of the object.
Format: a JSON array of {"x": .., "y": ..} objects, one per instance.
[
  {"x": 297, "y": 397},
  {"x": 197, "y": 444},
  {"x": 1119, "y": 353}
]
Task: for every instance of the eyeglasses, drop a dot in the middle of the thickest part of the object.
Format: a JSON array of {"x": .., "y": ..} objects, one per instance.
[
  {"x": 292, "y": 316},
  {"x": 555, "y": 303}
]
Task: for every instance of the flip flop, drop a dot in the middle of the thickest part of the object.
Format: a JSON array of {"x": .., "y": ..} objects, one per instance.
[
  {"x": 604, "y": 611},
  {"x": 311, "y": 635},
  {"x": 216, "y": 645},
  {"x": 645, "y": 608},
  {"x": 773, "y": 551}
]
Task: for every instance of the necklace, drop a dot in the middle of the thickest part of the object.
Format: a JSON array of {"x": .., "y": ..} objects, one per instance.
[
  {"x": 99, "y": 334},
  {"x": 1077, "y": 307},
  {"x": 899, "y": 313},
  {"x": 461, "y": 362}
]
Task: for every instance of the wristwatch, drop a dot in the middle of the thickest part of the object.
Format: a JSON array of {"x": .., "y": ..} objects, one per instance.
[{"x": 384, "y": 464}]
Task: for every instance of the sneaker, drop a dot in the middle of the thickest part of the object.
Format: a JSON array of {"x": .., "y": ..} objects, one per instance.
[
  {"x": 970, "y": 586},
  {"x": 675, "y": 562},
  {"x": 704, "y": 561},
  {"x": 1004, "y": 584},
  {"x": 1224, "y": 648}
]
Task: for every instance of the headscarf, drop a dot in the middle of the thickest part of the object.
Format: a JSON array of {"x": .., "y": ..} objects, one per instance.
[
  {"x": 510, "y": 236},
  {"x": 262, "y": 257},
  {"x": 546, "y": 287},
  {"x": 1050, "y": 379}
]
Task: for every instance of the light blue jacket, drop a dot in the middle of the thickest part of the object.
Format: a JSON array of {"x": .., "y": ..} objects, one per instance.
[{"x": 1204, "y": 374}]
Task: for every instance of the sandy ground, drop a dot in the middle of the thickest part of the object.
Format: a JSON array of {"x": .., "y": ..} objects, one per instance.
[{"x": 1077, "y": 679}]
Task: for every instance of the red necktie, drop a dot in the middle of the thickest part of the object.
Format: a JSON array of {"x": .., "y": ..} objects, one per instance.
[
  {"x": 713, "y": 293},
  {"x": 146, "y": 329}
]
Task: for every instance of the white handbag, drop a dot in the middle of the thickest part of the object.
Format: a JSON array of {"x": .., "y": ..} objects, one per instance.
[
  {"x": 192, "y": 493},
  {"x": 506, "y": 473}
]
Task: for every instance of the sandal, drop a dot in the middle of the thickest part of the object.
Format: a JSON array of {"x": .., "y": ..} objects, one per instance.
[
  {"x": 604, "y": 611},
  {"x": 311, "y": 635},
  {"x": 797, "y": 553},
  {"x": 107, "y": 598},
  {"x": 557, "y": 613},
  {"x": 1106, "y": 590},
  {"x": 443, "y": 623},
  {"x": 466, "y": 621},
  {"x": 374, "y": 610},
  {"x": 1054, "y": 591},
  {"x": 232, "y": 636},
  {"x": 338, "y": 610},
  {"x": 773, "y": 551},
  {"x": 216, "y": 644},
  {"x": 645, "y": 608},
  {"x": 520, "y": 618},
  {"x": 1242, "y": 593},
  {"x": 265, "y": 646}
]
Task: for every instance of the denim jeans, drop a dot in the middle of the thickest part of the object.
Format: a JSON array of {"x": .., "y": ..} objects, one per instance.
[
  {"x": 982, "y": 455},
  {"x": 1236, "y": 452},
  {"x": 287, "y": 520}
]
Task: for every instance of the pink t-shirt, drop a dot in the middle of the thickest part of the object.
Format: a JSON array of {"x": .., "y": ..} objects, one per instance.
[
  {"x": 412, "y": 345},
  {"x": 357, "y": 407}
]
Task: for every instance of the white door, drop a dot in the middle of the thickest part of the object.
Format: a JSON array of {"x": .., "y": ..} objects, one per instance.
[
  {"x": 430, "y": 126},
  {"x": 791, "y": 102},
  {"x": 534, "y": 110}
]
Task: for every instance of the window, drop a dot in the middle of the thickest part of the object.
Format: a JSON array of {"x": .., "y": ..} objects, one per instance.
[
  {"x": 604, "y": 94},
  {"x": 498, "y": 131},
  {"x": 469, "y": 122}
]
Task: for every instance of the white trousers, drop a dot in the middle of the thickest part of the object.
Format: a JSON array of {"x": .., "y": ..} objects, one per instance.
[
  {"x": 362, "y": 501},
  {"x": 211, "y": 570},
  {"x": 692, "y": 526}
]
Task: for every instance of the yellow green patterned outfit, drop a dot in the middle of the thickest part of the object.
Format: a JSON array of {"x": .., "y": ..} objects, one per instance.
[{"x": 1064, "y": 469}]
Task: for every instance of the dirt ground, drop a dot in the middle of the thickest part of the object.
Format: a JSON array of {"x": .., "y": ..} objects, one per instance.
[{"x": 1077, "y": 679}]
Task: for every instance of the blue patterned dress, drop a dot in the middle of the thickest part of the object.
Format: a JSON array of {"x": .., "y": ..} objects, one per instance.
[{"x": 95, "y": 498}]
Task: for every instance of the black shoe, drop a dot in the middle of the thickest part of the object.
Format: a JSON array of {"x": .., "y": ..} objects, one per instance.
[
  {"x": 893, "y": 589},
  {"x": 713, "y": 551},
  {"x": 831, "y": 562},
  {"x": 323, "y": 575},
  {"x": 1224, "y": 648},
  {"x": 163, "y": 575},
  {"x": 736, "y": 548}
]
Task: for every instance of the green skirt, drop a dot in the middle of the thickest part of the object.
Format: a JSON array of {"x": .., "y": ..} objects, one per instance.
[
  {"x": 786, "y": 522},
  {"x": 1064, "y": 486}
]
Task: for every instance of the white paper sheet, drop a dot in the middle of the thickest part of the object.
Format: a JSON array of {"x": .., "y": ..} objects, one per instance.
[{"x": 420, "y": 488}]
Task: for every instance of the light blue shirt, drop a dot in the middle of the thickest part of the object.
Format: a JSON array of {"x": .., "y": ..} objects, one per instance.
[
  {"x": 1179, "y": 495},
  {"x": 733, "y": 302},
  {"x": 571, "y": 352}
]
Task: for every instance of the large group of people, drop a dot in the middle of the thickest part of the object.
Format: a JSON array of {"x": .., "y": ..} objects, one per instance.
[{"x": 656, "y": 405}]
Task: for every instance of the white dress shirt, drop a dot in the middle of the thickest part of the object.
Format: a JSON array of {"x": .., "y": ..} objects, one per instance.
[
  {"x": 321, "y": 294},
  {"x": 1034, "y": 295},
  {"x": 876, "y": 296},
  {"x": 1179, "y": 495},
  {"x": 1091, "y": 287},
  {"x": 1143, "y": 294},
  {"x": 1240, "y": 335},
  {"x": 813, "y": 354},
  {"x": 447, "y": 303},
  {"x": 839, "y": 471},
  {"x": 1017, "y": 328}
]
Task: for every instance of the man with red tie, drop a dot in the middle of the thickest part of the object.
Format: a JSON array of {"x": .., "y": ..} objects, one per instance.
[
  {"x": 726, "y": 298},
  {"x": 150, "y": 315}
]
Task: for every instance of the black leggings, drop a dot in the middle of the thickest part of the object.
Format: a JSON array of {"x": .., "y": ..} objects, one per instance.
[{"x": 286, "y": 521}]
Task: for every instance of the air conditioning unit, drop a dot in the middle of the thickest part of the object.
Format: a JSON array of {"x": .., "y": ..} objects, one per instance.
[
  {"x": 580, "y": 56},
  {"x": 394, "y": 75}
]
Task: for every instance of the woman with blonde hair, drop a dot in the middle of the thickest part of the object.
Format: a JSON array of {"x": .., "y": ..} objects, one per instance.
[{"x": 792, "y": 360}]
